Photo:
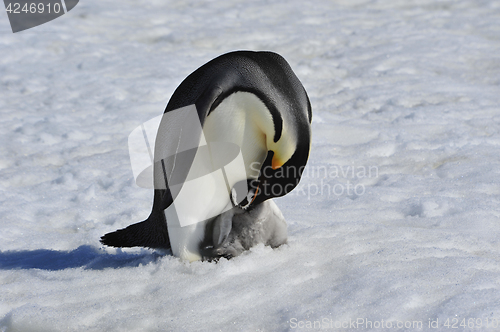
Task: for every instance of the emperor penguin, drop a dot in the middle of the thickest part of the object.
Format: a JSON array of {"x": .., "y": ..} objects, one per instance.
[{"x": 248, "y": 104}]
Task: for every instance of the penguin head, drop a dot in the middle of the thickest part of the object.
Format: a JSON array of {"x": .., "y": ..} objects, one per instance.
[{"x": 287, "y": 144}]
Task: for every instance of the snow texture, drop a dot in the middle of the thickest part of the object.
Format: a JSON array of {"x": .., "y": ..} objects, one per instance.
[{"x": 396, "y": 219}]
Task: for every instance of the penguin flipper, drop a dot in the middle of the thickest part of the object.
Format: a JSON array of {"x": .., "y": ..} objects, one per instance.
[{"x": 150, "y": 233}]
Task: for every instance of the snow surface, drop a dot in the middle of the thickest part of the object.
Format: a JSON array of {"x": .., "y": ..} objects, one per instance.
[{"x": 406, "y": 89}]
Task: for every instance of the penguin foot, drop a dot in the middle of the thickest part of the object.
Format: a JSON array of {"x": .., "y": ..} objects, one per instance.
[{"x": 150, "y": 233}]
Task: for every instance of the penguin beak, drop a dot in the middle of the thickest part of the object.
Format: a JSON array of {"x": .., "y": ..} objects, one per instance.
[
  {"x": 276, "y": 162},
  {"x": 282, "y": 150}
]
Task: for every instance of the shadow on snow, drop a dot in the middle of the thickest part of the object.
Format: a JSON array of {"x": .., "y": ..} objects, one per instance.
[{"x": 84, "y": 256}]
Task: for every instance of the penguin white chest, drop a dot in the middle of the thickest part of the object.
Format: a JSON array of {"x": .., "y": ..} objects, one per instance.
[{"x": 241, "y": 121}]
